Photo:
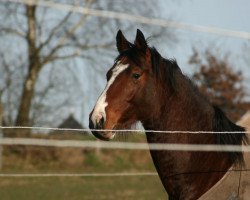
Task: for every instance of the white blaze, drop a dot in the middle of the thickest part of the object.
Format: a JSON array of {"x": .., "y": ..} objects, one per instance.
[{"x": 101, "y": 104}]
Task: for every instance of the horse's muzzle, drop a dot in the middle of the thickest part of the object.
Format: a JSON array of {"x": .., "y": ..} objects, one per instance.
[{"x": 98, "y": 130}]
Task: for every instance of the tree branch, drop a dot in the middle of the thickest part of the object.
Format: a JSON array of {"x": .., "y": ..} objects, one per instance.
[
  {"x": 54, "y": 57},
  {"x": 99, "y": 46},
  {"x": 12, "y": 31},
  {"x": 53, "y": 31},
  {"x": 62, "y": 40},
  {"x": 64, "y": 57}
]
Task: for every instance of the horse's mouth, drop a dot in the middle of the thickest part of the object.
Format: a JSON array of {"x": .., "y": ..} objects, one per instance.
[
  {"x": 104, "y": 135},
  {"x": 100, "y": 131},
  {"x": 108, "y": 131}
]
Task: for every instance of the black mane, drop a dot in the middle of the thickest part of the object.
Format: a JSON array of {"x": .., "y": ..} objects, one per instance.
[
  {"x": 164, "y": 69},
  {"x": 222, "y": 124}
]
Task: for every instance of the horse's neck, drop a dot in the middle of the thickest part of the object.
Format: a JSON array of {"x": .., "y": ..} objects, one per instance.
[{"x": 186, "y": 173}]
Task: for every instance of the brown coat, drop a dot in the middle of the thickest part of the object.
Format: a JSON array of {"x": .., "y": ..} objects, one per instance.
[
  {"x": 235, "y": 185},
  {"x": 232, "y": 184}
]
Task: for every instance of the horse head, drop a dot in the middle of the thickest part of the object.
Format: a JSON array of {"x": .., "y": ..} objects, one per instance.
[{"x": 129, "y": 90}]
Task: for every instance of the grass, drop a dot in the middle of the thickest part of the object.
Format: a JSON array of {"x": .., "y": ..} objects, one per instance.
[
  {"x": 87, "y": 188},
  {"x": 76, "y": 160}
]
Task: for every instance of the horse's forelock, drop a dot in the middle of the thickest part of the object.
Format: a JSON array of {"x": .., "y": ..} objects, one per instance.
[{"x": 163, "y": 69}]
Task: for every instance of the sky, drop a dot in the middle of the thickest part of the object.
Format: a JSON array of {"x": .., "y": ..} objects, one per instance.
[{"x": 227, "y": 14}]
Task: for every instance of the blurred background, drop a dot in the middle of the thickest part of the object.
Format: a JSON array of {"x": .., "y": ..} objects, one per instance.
[{"x": 53, "y": 59}]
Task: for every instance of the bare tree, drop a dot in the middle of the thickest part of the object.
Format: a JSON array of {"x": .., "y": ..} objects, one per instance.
[{"x": 39, "y": 43}]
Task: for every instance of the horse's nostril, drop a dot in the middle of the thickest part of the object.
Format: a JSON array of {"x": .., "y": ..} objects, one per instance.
[
  {"x": 91, "y": 124},
  {"x": 100, "y": 123},
  {"x": 102, "y": 120}
]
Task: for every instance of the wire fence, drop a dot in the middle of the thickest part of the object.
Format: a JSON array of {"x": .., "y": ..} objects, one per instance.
[
  {"x": 126, "y": 174},
  {"x": 123, "y": 130},
  {"x": 111, "y": 145},
  {"x": 122, "y": 145},
  {"x": 114, "y": 174}
]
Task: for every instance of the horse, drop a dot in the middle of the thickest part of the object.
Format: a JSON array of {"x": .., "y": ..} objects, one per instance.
[{"x": 143, "y": 86}]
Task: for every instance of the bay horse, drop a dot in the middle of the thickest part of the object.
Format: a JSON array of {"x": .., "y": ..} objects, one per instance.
[{"x": 143, "y": 86}]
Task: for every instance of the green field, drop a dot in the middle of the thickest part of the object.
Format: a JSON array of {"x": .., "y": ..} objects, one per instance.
[
  {"x": 75, "y": 160},
  {"x": 82, "y": 188}
]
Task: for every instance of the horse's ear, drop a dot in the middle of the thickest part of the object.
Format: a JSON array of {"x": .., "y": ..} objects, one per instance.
[
  {"x": 140, "y": 41},
  {"x": 122, "y": 43}
]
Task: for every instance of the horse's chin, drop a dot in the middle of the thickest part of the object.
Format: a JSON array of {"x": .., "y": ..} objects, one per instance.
[{"x": 104, "y": 135}]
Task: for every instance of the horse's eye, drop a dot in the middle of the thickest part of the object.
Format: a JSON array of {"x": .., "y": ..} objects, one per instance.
[{"x": 136, "y": 76}]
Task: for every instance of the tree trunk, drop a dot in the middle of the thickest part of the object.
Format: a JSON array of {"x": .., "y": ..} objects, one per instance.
[{"x": 33, "y": 71}]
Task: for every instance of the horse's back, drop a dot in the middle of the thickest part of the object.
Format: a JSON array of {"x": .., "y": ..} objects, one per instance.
[
  {"x": 245, "y": 179},
  {"x": 235, "y": 185},
  {"x": 245, "y": 183}
]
